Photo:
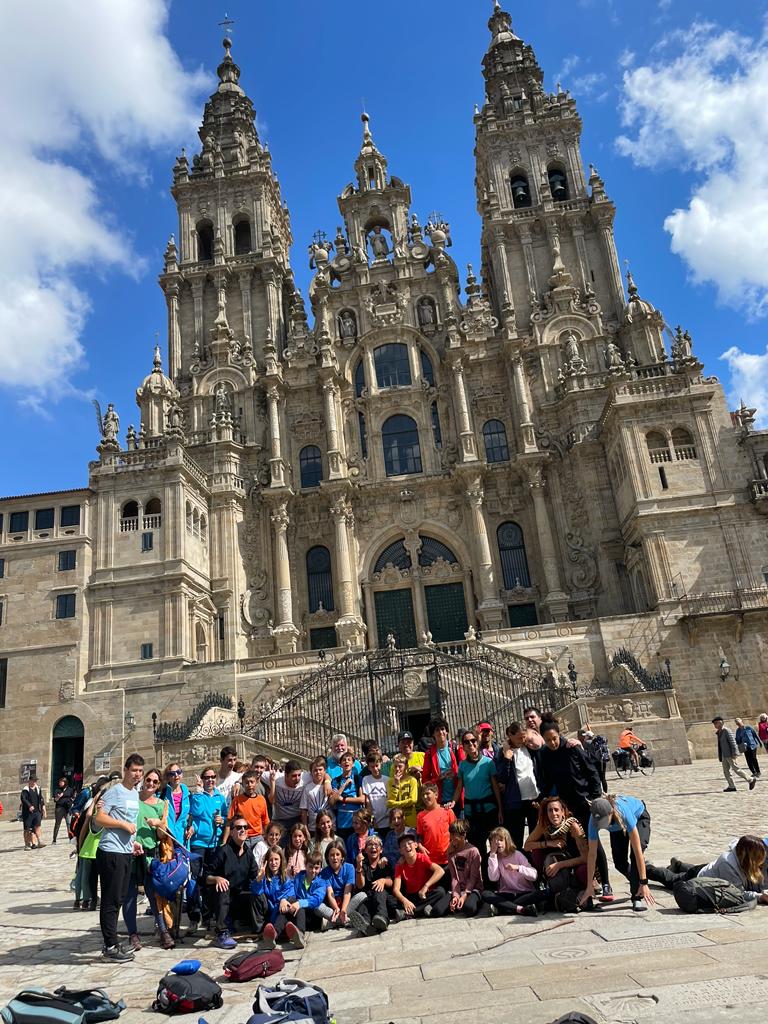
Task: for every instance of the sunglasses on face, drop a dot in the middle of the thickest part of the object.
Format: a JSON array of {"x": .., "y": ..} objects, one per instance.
[
  {"x": 209, "y": 778},
  {"x": 469, "y": 742},
  {"x": 175, "y": 772},
  {"x": 240, "y": 828}
]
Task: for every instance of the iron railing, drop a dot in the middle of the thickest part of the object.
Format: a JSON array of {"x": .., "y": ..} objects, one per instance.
[
  {"x": 661, "y": 680},
  {"x": 723, "y": 601},
  {"x": 176, "y": 731}
]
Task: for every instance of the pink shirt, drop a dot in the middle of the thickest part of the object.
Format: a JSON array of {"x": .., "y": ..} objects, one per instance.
[{"x": 499, "y": 870}]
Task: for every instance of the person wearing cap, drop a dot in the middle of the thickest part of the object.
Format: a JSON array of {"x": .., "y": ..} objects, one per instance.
[
  {"x": 487, "y": 744},
  {"x": 629, "y": 825},
  {"x": 727, "y": 752},
  {"x": 415, "y": 758}
]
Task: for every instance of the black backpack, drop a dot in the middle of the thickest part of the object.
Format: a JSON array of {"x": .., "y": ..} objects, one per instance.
[
  {"x": 187, "y": 993},
  {"x": 712, "y": 896}
]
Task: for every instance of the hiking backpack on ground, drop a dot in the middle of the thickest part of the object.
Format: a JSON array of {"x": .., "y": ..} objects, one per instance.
[
  {"x": 712, "y": 896},
  {"x": 256, "y": 964},
  {"x": 95, "y": 1001},
  {"x": 290, "y": 1000},
  {"x": 187, "y": 993},
  {"x": 64, "y": 1006}
]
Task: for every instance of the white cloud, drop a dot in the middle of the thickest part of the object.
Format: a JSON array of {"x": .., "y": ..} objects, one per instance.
[
  {"x": 79, "y": 80},
  {"x": 749, "y": 380},
  {"x": 701, "y": 105}
]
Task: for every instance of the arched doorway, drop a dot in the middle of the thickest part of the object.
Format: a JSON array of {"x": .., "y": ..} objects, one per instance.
[
  {"x": 66, "y": 748},
  {"x": 416, "y": 588}
]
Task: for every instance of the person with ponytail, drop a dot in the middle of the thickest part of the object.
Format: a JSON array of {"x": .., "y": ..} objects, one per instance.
[
  {"x": 743, "y": 864},
  {"x": 629, "y": 825}
]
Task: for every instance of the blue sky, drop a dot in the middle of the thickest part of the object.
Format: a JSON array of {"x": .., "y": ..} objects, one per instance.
[{"x": 100, "y": 97}]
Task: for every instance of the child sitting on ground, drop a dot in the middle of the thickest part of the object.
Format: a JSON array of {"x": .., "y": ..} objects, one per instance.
[
  {"x": 339, "y": 878},
  {"x": 417, "y": 881},
  {"x": 361, "y": 828},
  {"x": 269, "y": 888},
  {"x": 517, "y": 892},
  {"x": 465, "y": 868},
  {"x": 433, "y": 824},
  {"x": 371, "y": 906},
  {"x": 307, "y": 895}
]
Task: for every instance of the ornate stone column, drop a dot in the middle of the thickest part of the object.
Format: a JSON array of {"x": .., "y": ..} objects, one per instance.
[
  {"x": 330, "y": 402},
  {"x": 197, "y": 297},
  {"x": 244, "y": 278},
  {"x": 174, "y": 346},
  {"x": 285, "y": 632},
  {"x": 524, "y": 405},
  {"x": 489, "y": 611},
  {"x": 612, "y": 258},
  {"x": 349, "y": 626},
  {"x": 556, "y": 600},
  {"x": 502, "y": 268},
  {"x": 276, "y": 464},
  {"x": 466, "y": 433}
]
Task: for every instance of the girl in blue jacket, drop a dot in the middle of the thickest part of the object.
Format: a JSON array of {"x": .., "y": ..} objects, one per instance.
[{"x": 270, "y": 887}]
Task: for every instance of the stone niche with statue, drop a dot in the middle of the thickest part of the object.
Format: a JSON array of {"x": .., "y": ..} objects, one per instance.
[{"x": 653, "y": 716}]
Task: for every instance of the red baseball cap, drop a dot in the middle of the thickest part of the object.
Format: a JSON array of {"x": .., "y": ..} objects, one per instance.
[{"x": 484, "y": 726}]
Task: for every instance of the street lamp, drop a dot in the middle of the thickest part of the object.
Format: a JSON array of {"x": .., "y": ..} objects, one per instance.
[
  {"x": 573, "y": 675},
  {"x": 725, "y": 668},
  {"x": 154, "y": 725},
  {"x": 130, "y": 721},
  {"x": 241, "y": 713}
]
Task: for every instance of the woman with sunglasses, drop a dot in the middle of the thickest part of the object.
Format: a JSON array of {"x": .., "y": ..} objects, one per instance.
[
  {"x": 177, "y": 795},
  {"x": 482, "y": 797},
  {"x": 207, "y": 814},
  {"x": 153, "y": 815}
]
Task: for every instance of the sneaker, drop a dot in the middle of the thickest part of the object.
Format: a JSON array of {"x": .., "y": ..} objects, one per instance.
[
  {"x": 357, "y": 922},
  {"x": 529, "y": 911},
  {"x": 428, "y": 910},
  {"x": 607, "y": 894},
  {"x": 223, "y": 940},
  {"x": 41, "y": 845},
  {"x": 269, "y": 936},
  {"x": 639, "y": 905},
  {"x": 295, "y": 937},
  {"x": 729, "y": 789},
  {"x": 675, "y": 865},
  {"x": 494, "y": 911},
  {"x": 76, "y": 905},
  {"x": 753, "y": 782},
  {"x": 380, "y": 923},
  {"x": 117, "y": 953},
  {"x": 400, "y": 914},
  {"x": 325, "y": 924},
  {"x": 134, "y": 941}
]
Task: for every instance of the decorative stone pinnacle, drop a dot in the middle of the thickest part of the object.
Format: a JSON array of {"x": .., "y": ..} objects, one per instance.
[{"x": 157, "y": 362}]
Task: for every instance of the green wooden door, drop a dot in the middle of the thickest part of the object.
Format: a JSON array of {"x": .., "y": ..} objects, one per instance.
[
  {"x": 446, "y": 611},
  {"x": 394, "y": 614}
]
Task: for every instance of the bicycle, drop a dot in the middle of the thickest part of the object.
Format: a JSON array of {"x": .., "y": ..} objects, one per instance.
[{"x": 622, "y": 761}]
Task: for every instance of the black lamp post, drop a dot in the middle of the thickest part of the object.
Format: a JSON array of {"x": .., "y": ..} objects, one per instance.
[
  {"x": 154, "y": 725},
  {"x": 241, "y": 713},
  {"x": 321, "y": 655},
  {"x": 573, "y": 675},
  {"x": 668, "y": 666}
]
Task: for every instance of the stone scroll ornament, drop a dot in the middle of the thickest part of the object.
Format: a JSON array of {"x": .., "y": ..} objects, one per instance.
[{"x": 585, "y": 574}]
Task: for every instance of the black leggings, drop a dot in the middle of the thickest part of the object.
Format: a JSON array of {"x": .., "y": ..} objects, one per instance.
[
  {"x": 582, "y": 815},
  {"x": 471, "y": 905},
  {"x": 623, "y": 855},
  {"x": 508, "y": 902},
  {"x": 668, "y": 878}
]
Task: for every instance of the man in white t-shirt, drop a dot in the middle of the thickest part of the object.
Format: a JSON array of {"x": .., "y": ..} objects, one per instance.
[
  {"x": 314, "y": 796},
  {"x": 285, "y": 793},
  {"x": 374, "y": 789},
  {"x": 116, "y": 814},
  {"x": 227, "y": 774}
]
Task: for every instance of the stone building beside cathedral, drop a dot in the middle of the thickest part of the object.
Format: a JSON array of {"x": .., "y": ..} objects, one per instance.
[{"x": 541, "y": 461}]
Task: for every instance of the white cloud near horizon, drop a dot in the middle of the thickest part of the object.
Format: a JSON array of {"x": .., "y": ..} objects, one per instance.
[
  {"x": 105, "y": 85},
  {"x": 749, "y": 381},
  {"x": 700, "y": 103}
]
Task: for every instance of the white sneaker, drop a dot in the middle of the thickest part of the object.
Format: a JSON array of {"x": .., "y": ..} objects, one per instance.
[{"x": 639, "y": 905}]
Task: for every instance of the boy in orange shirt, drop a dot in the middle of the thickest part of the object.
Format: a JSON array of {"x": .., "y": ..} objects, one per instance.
[
  {"x": 251, "y": 806},
  {"x": 432, "y": 825}
]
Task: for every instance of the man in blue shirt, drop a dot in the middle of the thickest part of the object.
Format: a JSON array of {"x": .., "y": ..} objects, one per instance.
[
  {"x": 116, "y": 815},
  {"x": 207, "y": 814}
]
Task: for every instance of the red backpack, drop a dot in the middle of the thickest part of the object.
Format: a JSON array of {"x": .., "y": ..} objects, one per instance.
[{"x": 256, "y": 964}]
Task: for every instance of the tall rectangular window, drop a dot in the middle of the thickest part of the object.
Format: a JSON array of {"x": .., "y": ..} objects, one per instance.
[
  {"x": 146, "y": 652},
  {"x": 67, "y": 560},
  {"x": 65, "y": 606},
  {"x": 2, "y": 568},
  {"x": 2, "y": 612},
  {"x": 69, "y": 515},
  {"x": 147, "y": 542},
  {"x": 3, "y": 680},
  {"x": 44, "y": 519},
  {"x": 19, "y": 522},
  {"x": 1, "y": 522}
]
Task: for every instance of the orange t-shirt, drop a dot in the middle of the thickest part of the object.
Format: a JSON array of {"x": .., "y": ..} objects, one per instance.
[
  {"x": 627, "y": 739},
  {"x": 254, "y": 810},
  {"x": 432, "y": 826}
]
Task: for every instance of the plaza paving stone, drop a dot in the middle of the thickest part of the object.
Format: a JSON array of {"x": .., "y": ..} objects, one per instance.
[{"x": 613, "y": 964}]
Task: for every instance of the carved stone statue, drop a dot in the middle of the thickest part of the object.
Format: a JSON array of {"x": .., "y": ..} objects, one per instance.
[
  {"x": 222, "y": 401},
  {"x": 110, "y": 425},
  {"x": 379, "y": 246},
  {"x": 574, "y": 363},
  {"x": 347, "y": 325},
  {"x": 613, "y": 360},
  {"x": 318, "y": 255},
  {"x": 426, "y": 313}
]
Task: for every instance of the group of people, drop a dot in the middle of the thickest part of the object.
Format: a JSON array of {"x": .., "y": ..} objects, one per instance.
[{"x": 471, "y": 827}]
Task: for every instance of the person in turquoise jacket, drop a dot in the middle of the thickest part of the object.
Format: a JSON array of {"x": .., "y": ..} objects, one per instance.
[
  {"x": 271, "y": 887},
  {"x": 177, "y": 795},
  {"x": 207, "y": 814}
]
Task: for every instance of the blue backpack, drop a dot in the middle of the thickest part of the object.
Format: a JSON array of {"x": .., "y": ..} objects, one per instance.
[{"x": 169, "y": 876}]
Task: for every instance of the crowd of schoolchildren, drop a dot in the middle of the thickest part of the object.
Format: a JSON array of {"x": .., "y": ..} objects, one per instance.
[{"x": 466, "y": 828}]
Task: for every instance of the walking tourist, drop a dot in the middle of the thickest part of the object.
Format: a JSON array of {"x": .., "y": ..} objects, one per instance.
[
  {"x": 63, "y": 798},
  {"x": 762, "y": 730},
  {"x": 727, "y": 752},
  {"x": 32, "y": 814},
  {"x": 748, "y": 744},
  {"x": 596, "y": 750}
]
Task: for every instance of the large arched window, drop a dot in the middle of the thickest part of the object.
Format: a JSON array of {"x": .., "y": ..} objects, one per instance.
[
  {"x": 393, "y": 369},
  {"x": 521, "y": 191},
  {"x": 682, "y": 442},
  {"x": 426, "y": 369},
  {"x": 319, "y": 579},
  {"x": 396, "y": 553},
  {"x": 432, "y": 549},
  {"x": 495, "y": 438},
  {"x": 205, "y": 240},
  {"x": 558, "y": 184},
  {"x": 402, "y": 453},
  {"x": 658, "y": 448},
  {"x": 514, "y": 564},
  {"x": 310, "y": 466},
  {"x": 359, "y": 380},
  {"x": 242, "y": 236}
]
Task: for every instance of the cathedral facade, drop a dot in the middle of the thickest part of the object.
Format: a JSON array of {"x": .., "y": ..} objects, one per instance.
[{"x": 523, "y": 451}]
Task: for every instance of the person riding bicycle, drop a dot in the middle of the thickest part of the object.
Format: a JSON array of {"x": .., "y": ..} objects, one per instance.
[{"x": 631, "y": 744}]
